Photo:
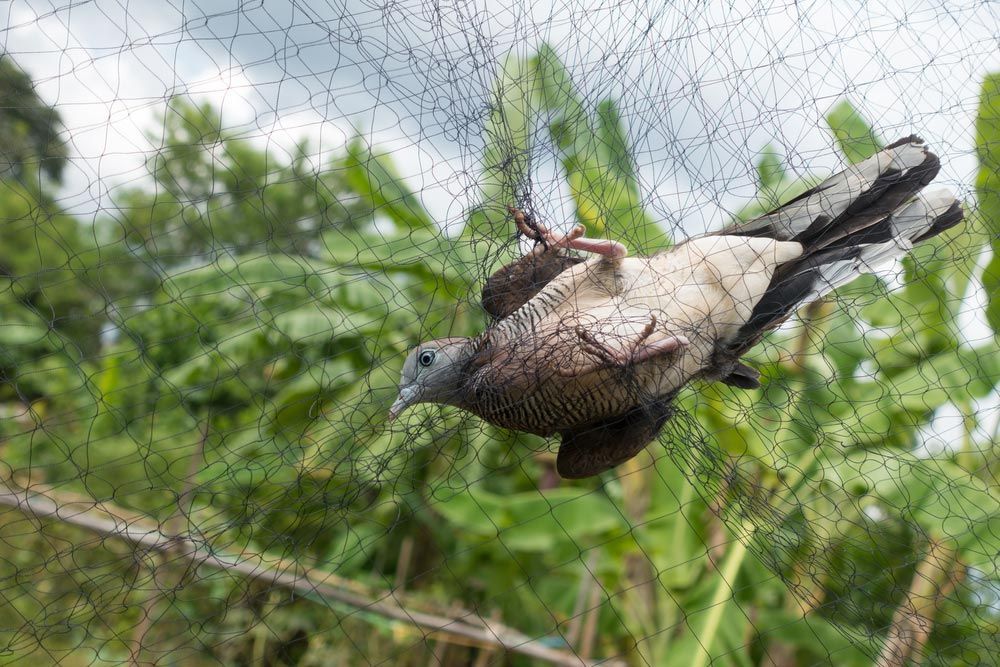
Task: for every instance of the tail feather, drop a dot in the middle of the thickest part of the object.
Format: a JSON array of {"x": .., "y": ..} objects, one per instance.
[
  {"x": 943, "y": 210},
  {"x": 852, "y": 223},
  {"x": 864, "y": 189}
]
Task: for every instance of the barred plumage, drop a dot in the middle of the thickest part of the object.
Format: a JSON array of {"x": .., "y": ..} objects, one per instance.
[{"x": 596, "y": 349}]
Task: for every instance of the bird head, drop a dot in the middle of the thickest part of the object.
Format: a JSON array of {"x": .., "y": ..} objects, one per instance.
[{"x": 432, "y": 373}]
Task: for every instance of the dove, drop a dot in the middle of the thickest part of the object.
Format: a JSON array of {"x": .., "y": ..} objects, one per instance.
[{"x": 595, "y": 348}]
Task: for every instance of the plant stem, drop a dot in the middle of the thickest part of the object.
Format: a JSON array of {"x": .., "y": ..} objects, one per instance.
[
  {"x": 588, "y": 581},
  {"x": 403, "y": 563},
  {"x": 138, "y": 640},
  {"x": 592, "y": 614},
  {"x": 813, "y": 312},
  {"x": 914, "y": 618},
  {"x": 640, "y": 595},
  {"x": 967, "y": 455},
  {"x": 720, "y": 599}
]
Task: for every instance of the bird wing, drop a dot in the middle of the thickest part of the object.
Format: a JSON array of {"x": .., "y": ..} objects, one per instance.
[
  {"x": 601, "y": 317},
  {"x": 591, "y": 449},
  {"x": 513, "y": 285}
]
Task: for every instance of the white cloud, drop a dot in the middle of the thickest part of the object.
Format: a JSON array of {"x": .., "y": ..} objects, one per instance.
[{"x": 702, "y": 87}]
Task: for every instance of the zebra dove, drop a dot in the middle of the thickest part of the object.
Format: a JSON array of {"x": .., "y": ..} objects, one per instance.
[{"x": 596, "y": 349}]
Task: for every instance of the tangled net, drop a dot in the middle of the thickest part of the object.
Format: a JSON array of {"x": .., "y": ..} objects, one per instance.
[{"x": 221, "y": 229}]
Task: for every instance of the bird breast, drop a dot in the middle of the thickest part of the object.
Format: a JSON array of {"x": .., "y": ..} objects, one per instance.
[{"x": 704, "y": 290}]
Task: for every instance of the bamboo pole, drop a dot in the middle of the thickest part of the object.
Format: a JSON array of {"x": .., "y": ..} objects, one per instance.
[{"x": 106, "y": 519}]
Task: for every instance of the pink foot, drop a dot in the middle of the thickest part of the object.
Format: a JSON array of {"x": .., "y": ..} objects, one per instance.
[
  {"x": 667, "y": 345},
  {"x": 606, "y": 247},
  {"x": 574, "y": 240}
]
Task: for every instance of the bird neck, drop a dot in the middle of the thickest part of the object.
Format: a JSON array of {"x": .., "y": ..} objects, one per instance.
[{"x": 463, "y": 362}]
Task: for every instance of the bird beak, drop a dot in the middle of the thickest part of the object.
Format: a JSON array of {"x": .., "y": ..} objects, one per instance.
[{"x": 407, "y": 397}]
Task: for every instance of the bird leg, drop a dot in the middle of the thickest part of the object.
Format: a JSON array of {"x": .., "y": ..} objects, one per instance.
[
  {"x": 595, "y": 348},
  {"x": 663, "y": 346},
  {"x": 527, "y": 226},
  {"x": 574, "y": 240},
  {"x": 640, "y": 351}
]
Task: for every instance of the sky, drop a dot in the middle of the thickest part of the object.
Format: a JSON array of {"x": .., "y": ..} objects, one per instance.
[{"x": 702, "y": 87}]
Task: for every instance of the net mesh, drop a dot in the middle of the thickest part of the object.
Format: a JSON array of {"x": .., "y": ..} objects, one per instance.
[{"x": 223, "y": 225}]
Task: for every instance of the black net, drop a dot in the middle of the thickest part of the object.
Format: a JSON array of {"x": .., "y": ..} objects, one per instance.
[{"x": 223, "y": 226}]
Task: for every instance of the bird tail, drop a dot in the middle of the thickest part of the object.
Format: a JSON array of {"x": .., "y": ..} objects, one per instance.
[{"x": 851, "y": 223}]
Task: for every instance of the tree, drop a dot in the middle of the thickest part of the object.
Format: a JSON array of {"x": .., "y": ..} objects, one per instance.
[
  {"x": 43, "y": 290},
  {"x": 30, "y": 128},
  {"x": 217, "y": 194}
]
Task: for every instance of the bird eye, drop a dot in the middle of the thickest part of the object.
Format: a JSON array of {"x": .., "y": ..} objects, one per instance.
[{"x": 426, "y": 357}]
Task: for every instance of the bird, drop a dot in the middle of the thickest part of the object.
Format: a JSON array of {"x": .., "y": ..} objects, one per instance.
[{"x": 595, "y": 348}]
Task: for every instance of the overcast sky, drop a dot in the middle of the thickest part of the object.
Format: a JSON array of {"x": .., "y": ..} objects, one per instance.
[{"x": 702, "y": 88}]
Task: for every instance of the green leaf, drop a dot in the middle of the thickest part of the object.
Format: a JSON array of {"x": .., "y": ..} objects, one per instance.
[
  {"x": 944, "y": 499},
  {"x": 770, "y": 173},
  {"x": 844, "y": 343},
  {"x": 531, "y": 521},
  {"x": 310, "y": 323},
  {"x": 299, "y": 398},
  {"x": 426, "y": 255},
  {"x": 988, "y": 188},
  {"x": 981, "y": 546},
  {"x": 507, "y": 135},
  {"x": 813, "y": 636},
  {"x": 855, "y": 136},
  {"x": 373, "y": 177},
  {"x": 595, "y": 155},
  {"x": 931, "y": 383},
  {"x": 672, "y": 537},
  {"x": 613, "y": 144},
  {"x": 21, "y": 333}
]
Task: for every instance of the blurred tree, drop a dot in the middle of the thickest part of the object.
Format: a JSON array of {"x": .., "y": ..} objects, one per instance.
[
  {"x": 30, "y": 128},
  {"x": 217, "y": 194},
  {"x": 43, "y": 291}
]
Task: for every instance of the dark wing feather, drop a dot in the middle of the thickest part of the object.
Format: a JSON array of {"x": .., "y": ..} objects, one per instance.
[
  {"x": 592, "y": 449},
  {"x": 515, "y": 284}
]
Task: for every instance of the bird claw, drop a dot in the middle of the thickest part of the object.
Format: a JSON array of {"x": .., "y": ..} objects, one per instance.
[
  {"x": 639, "y": 352},
  {"x": 574, "y": 239},
  {"x": 646, "y": 332},
  {"x": 595, "y": 348},
  {"x": 527, "y": 226}
]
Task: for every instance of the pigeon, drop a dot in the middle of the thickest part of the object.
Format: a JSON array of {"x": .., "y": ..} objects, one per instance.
[{"x": 595, "y": 348}]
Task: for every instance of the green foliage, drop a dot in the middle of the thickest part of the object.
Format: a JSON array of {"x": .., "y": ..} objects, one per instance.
[
  {"x": 855, "y": 137},
  {"x": 988, "y": 188},
  {"x": 507, "y": 134},
  {"x": 217, "y": 194},
  {"x": 774, "y": 186},
  {"x": 595, "y": 155},
  {"x": 565, "y": 518},
  {"x": 770, "y": 173},
  {"x": 373, "y": 178},
  {"x": 29, "y": 127},
  {"x": 52, "y": 286}
]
